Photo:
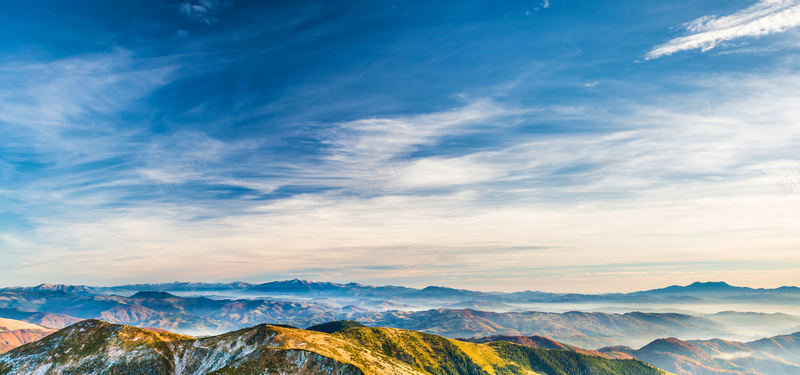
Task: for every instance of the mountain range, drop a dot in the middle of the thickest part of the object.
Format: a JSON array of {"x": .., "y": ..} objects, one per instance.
[
  {"x": 698, "y": 292},
  {"x": 206, "y": 316},
  {"x": 725, "y": 342},
  {"x": 778, "y": 355},
  {"x": 303, "y": 303}
]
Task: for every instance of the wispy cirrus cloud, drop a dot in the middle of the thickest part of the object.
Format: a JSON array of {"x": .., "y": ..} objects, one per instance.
[
  {"x": 56, "y": 94},
  {"x": 381, "y": 138},
  {"x": 204, "y": 11},
  {"x": 57, "y": 118},
  {"x": 360, "y": 149},
  {"x": 707, "y": 32}
]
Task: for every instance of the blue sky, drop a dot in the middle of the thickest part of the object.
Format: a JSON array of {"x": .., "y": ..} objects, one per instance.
[{"x": 495, "y": 145}]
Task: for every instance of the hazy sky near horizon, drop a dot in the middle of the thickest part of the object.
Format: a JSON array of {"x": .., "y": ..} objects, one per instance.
[{"x": 556, "y": 145}]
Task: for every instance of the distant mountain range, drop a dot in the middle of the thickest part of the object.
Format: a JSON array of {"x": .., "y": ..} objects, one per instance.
[
  {"x": 393, "y": 296},
  {"x": 699, "y": 292},
  {"x": 582, "y": 329},
  {"x": 202, "y": 315},
  {"x": 196, "y": 315},
  {"x": 101, "y": 348}
]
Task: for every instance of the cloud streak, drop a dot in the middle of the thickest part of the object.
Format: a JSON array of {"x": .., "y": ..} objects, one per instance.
[
  {"x": 204, "y": 11},
  {"x": 764, "y": 18}
]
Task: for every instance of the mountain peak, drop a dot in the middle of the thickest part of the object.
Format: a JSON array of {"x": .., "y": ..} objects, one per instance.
[
  {"x": 435, "y": 287},
  {"x": 153, "y": 294},
  {"x": 14, "y": 325},
  {"x": 333, "y": 327},
  {"x": 674, "y": 346},
  {"x": 709, "y": 284}
]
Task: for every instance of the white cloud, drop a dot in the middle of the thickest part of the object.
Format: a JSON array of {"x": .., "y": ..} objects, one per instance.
[
  {"x": 44, "y": 101},
  {"x": 763, "y": 18},
  {"x": 438, "y": 172},
  {"x": 360, "y": 148}
]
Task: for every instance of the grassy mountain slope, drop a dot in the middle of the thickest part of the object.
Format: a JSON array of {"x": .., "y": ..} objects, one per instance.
[
  {"x": 439, "y": 355},
  {"x": 333, "y": 327},
  {"x": 430, "y": 353},
  {"x": 98, "y": 347},
  {"x": 276, "y": 348},
  {"x": 546, "y": 343},
  {"x": 94, "y": 346},
  {"x": 560, "y": 362}
]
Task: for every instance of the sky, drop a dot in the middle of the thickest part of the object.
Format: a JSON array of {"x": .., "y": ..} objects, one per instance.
[{"x": 561, "y": 145}]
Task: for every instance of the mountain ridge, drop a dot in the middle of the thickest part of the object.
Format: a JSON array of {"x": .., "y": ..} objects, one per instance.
[
  {"x": 200, "y": 316},
  {"x": 695, "y": 292},
  {"x": 104, "y": 348}
]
